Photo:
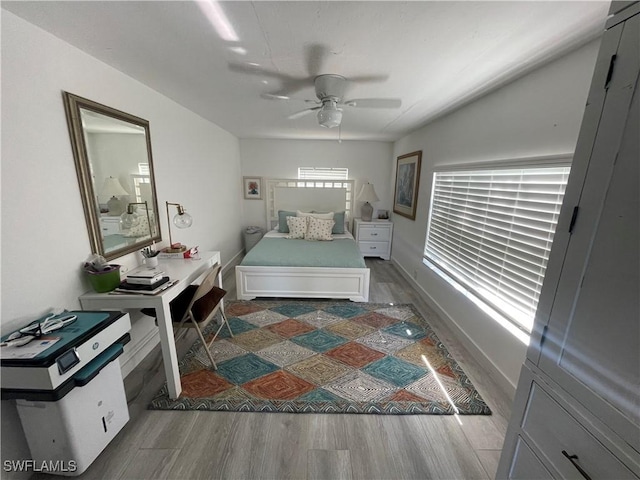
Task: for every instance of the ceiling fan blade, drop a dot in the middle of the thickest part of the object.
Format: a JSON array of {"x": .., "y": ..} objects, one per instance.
[
  {"x": 302, "y": 113},
  {"x": 374, "y": 103},
  {"x": 369, "y": 78},
  {"x": 274, "y": 96},
  {"x": 258, "y": 70}
]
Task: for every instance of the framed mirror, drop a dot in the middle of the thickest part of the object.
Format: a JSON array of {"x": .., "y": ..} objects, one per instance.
[{"x": 112, "y": 152}]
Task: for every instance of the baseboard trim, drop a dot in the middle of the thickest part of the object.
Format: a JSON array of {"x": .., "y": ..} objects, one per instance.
[{"x": 501, "y": 379}]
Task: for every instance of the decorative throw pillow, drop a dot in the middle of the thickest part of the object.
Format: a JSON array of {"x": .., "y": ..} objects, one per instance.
[
  {"x": 324, "y": 216},
  {"x": 338, "y": 217},
  {"x": 139, "y": 230},
  {"x": 319, "y": 229},
  {"x": 282, "y": 220},
  {"x": 297, "y": 227}
]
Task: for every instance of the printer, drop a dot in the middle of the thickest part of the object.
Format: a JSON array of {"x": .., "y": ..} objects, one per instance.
[{"x": 69, "y": 395}]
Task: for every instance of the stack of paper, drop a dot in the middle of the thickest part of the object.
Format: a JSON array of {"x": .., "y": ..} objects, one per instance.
[{"x": 144, "y": 276}]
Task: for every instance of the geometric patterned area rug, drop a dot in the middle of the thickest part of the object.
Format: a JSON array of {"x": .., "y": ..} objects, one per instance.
[{"x": 304, "y": 356}]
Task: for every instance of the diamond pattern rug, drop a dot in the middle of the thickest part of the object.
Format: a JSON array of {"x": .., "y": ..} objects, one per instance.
[{"x": 324, "y": 357}]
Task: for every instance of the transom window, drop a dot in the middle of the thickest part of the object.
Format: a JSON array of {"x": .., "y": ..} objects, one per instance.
[
  {"x": 491, "y": 230},
  {"x": 320, "y": 173}
]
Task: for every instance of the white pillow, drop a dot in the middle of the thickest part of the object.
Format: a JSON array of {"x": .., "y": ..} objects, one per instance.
[
  {"x": 319, "y": 229},
  {"x": 297, "y": 227},
  {"x": 324, "y": 216}
]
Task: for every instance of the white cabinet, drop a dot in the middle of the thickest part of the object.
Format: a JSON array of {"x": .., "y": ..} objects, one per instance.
[
  {"x": 374, "y": 238},
  {"x": 577, "y": 407}
]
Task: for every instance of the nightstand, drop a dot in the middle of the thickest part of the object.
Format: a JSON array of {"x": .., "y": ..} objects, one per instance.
[
  {"x": 374, "y": 237},
  {"x": 109, "y": 225}
]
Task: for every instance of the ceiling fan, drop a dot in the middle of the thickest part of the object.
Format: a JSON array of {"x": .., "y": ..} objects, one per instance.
[{"x": 330, "y": 90}]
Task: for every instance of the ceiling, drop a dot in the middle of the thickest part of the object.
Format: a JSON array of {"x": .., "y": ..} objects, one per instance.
[{"x": 433, "y": 56}]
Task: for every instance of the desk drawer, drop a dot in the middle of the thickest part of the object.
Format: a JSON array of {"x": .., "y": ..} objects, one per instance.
[
  {"x": 552, "y": 429},
  {"x": 374, "y": 234}
]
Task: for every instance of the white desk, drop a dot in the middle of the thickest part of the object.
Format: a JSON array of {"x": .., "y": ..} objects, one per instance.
[{"x": 186, "y": 272}]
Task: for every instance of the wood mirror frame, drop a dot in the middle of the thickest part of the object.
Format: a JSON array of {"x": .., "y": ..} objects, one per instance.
[{"x": 108, "y": 144}]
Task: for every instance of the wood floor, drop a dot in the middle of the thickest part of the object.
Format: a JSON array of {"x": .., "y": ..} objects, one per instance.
[{"x": 233, "y": 445}]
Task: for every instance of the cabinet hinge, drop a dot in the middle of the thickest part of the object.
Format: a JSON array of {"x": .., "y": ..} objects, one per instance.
[
  {"x": 612, "y": 62},
  {"x": 574, "y": 215},
  {"x": 543, "y": 337}
]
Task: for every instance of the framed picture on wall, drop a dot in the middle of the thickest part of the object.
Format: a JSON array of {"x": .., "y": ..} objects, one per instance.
[
  {"x": 252, "y": 188},
  {"x": 407, "y": 183}
]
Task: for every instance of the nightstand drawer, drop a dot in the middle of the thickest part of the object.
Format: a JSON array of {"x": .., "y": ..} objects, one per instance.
[
  {"x": 110, "y": 225},
  {"x": 374, "y": 248},
  {"x": 374, "y": 233}
]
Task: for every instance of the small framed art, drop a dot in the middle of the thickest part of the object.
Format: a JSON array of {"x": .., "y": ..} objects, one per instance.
[
  {"x": 407, "y": 183},
  {"x": 252, "y": 187}
]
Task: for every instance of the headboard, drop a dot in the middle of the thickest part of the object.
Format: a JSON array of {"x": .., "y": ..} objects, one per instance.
[{"x": 307, "y": 195}]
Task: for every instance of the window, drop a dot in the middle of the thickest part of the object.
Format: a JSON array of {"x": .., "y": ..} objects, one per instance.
[
  {"x": 142, "y": 183},
  {"x": 317, "y": 173},
  {"x": 491, "y": 230}
]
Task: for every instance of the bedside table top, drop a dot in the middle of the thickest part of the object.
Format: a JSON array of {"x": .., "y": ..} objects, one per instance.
[{"x": 373, "y": 220}]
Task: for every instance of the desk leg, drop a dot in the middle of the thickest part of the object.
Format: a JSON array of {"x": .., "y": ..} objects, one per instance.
[
  {"x": 220, "y": 285},
  {"x": 169, "y": 354}
]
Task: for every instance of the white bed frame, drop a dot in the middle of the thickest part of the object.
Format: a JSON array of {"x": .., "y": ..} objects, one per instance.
[{"x": 305, "y": 282}]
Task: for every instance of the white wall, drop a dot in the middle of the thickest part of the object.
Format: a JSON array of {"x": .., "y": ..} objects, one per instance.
[
  {"x": 537, "y": 115},
  {"x": 44, "y": 236},
  {"x": 366, "y": 161}
]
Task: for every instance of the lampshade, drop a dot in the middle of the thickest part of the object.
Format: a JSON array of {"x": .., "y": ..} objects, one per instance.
[
  {"x": 181, "y": 220},
  {"x": 113, "y": 188},
  {"x": 329, "y": 115},
  {"x": 367, "y": 194}
]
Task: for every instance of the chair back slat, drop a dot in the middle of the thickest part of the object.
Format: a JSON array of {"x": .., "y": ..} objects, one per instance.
[{"x": 207, "y": 284}]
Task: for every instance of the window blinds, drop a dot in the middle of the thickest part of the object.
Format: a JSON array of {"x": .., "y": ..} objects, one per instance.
[
  {"x": 492, "y": 230},
  {"x": 318, "y": 173}
]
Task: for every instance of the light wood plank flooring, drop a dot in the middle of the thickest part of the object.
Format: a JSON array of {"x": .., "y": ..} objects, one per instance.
[{"x": 233, "y": 445}]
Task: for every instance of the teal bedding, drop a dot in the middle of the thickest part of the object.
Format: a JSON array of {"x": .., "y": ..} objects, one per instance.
[{"x": 284, "y": 252}]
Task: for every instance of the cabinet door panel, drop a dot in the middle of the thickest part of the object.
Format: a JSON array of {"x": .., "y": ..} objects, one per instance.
[
  {"x": 588, "y": 131},
  {"x": 592, "y": 343},
  {"x": 526, "y": 466}
]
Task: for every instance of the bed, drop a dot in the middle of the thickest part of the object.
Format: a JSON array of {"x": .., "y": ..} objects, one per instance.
[{"x": 281, "y": 267}]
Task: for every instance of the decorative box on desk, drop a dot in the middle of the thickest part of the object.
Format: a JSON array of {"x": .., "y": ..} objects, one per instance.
[
  {"x": 179, "y": 254},
  {"x": 374, "y": 237}
]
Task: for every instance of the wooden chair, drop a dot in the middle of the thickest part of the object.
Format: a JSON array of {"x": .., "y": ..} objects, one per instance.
[{"x": 196, "y": 306}]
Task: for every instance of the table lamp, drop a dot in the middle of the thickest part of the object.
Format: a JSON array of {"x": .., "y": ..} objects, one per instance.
[
  {"x": 113, "y": 188},
  {"x": 367, "y": 194},
  {"x": 131, "y": 218},
  {"x": 181, "y": 220}
]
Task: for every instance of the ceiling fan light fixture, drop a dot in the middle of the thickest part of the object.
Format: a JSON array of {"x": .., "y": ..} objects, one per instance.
[{"x": 330, "y": 115}]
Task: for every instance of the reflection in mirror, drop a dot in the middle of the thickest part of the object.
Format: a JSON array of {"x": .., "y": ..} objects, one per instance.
[{"x": 112, "y": 151}]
